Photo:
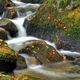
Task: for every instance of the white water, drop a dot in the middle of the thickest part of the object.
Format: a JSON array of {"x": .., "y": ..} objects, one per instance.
[
  {"x": 0, "y": 17},
  {"x": 18, "y": 2},
  {"x": 21, "y": 40},
  {"x": 38, "y": 68},
  {"x": 19, "y": 23}
]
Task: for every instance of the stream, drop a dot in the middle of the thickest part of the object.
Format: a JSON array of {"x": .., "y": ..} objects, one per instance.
[{"x": 52, "y": 71}]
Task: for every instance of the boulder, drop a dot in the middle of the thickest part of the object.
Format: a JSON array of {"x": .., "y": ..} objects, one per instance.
[
  {"x": 1, "y": 7},
  {"x": 43, "y": 52},
  {"x": 10, "y": 13},
  {"x": 4, "y": 4},
  {"x": 21, "y": 63},
  {"x": 3, "y": 34},
  {"x": 56, "y": 23},
  {"x": 7, "y": 58},
  {"x": 9, "y": 26}
]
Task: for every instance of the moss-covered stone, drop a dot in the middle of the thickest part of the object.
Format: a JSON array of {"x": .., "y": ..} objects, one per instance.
[
  {"x": 5, "y": 77},
  {"x": 44, "y": 53},
  {"x": 58, "y": 23},
  {"x": 7, "y": 57},
  {"x": 73, "y": 18},
  {"x": 19, "y": 77},
  {"x": 46, "y": 22}
]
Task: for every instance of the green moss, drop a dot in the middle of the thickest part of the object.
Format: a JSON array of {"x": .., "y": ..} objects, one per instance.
[
  {"x": 25, "y": 76},
  {"x": 5, "y": 51},
  {"x": 5, "y": 77},
  {"x": 19, "y": 77},
  {"x": 49, "y": 19},
  {"x": 64, "y": 3},
  {"x": 73, "y": 20}
]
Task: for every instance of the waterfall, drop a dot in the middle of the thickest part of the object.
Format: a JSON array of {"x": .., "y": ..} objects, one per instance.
[
  {"x": 22, "y": 37},
  {"x": 19, "y": 23}
]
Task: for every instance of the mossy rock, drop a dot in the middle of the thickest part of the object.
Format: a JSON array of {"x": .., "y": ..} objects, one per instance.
[
  {"x": 5, "y": 77},
  {"x": 71, "y": 35},
  {"x": 43, "y": 53},
  {"x": 56, "y": 24},
  {"x": 46, "y": 24},
  {"x": 29, "y": 77},
  {"x": 19, "y": 77},
  {"x": 73, "y": 19},
  {"x": 7, "y": 58}
]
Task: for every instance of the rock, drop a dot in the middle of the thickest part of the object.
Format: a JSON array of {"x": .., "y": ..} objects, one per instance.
[
  {"x": 3, "y": 34},
  {"x": 4, "y": 4},
  {"x": 9, "y": 26},
  {"x": 21, "y": 63},
  {"x": 43, "y": 52},
  {"x": 10, "y": 12},
  {"x": 26, "y": 23},
  {"x": 1, "y": 7},
  {"x": 76, "y": 61},
  {"x": 33, "y": 1},
  {"x": 61, "y": 27},
  {"x": 7, "y": 58}
]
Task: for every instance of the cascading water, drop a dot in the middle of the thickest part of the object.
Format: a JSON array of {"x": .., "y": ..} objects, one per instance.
[
  {"x": 22, "y": 37},
  {"x": 21, "y": 17},
  {"x": 19, "y": 23}
]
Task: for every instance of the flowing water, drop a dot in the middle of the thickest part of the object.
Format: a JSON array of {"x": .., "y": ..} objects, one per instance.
[{"x": 52, "y": 72}]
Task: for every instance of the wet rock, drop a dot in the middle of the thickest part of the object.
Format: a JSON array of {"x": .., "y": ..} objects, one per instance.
[
  {"x": 10, "y": 12},
  {"x": 64, "y": 67},
  {"x": 76, "y": 61},
  {"x": 1, "y": 7},
  {"x": 7, "y": 58},
  {"x": 26, "y": 23},
  {"x": 43, "y": 52},
  {"x": 4, "y": 4},
  {"x": 21, "y": 63},
  {"x": 61, "y": 27},
  {"x": 3, "y": 34},
  {"x": 71, "y": 36},
  {"x": 9, "y": 26}
]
